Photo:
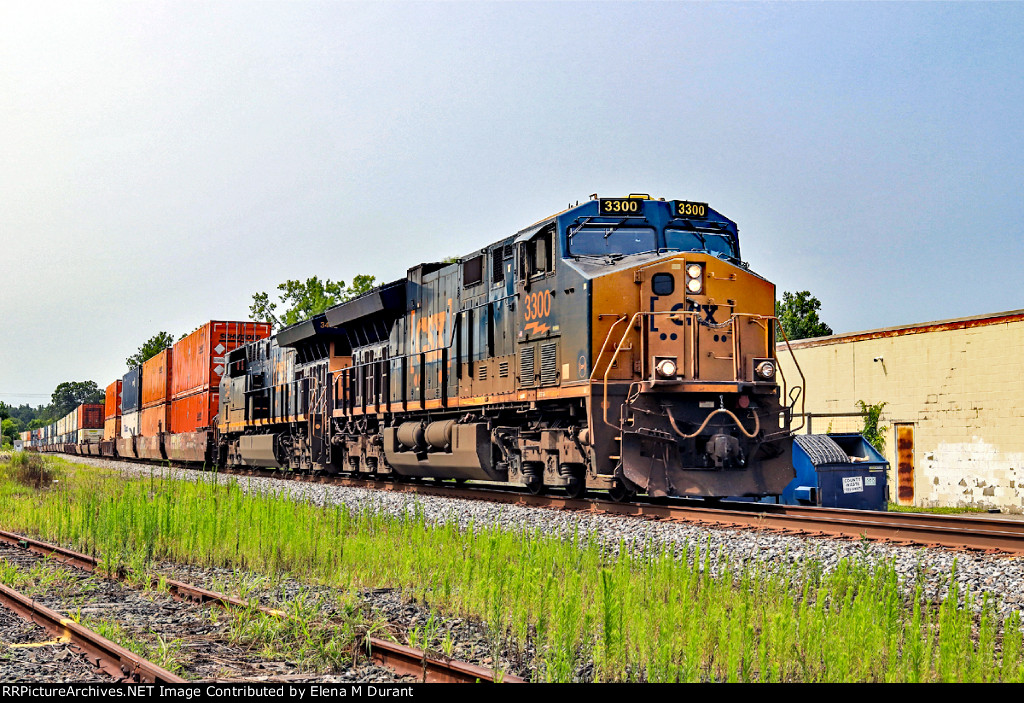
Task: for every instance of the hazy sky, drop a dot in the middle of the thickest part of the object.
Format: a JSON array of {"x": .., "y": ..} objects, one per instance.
[{"x": 161, "y": 162}]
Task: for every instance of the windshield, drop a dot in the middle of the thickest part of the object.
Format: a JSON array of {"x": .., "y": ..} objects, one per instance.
[
  {"x": 598, "y": 241},
  {"x": 711, "y": 242}
]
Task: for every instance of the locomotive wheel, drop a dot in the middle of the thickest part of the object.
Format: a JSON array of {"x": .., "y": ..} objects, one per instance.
[
  {"x": 536, "y": 488},
  {"x": 620, "y": 494},
  {"x": 577, "y": 489}
]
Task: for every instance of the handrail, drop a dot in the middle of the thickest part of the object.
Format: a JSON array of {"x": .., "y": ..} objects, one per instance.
[
  {"x": 622, "y": 340},
  {"x": 803, "y": 380},
  {"x": 593, "y": 368}
]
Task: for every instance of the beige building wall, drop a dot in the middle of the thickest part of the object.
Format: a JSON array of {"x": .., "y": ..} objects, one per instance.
[{"x": 960, "y": 383}]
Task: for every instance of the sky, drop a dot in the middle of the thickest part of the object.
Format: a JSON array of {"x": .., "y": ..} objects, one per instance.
[{"x": 162, "y": 162}]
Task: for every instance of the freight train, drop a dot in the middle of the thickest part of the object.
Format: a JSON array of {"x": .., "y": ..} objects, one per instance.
[{"x": 620, "y": 345}]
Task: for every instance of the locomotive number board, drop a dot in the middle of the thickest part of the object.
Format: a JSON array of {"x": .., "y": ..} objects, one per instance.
[
  {"x": 687, "y": 209},
  {"x": 620, "y": 206}
]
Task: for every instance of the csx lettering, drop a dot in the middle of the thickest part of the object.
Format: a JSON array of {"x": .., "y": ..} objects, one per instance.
[{"x": 538, "y": 305}]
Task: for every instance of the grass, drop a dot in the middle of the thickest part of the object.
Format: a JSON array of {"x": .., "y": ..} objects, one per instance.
[
  {"x": 894, "y": 508},
  {"x": 587, "y": 612},
  {"x": 162, "y": 652},
  {"x": 31, "y": 470}
]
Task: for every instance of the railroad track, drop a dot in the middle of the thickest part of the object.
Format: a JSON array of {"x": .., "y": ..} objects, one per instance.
[
  {"x": 113, "y": 659},
  {"x": 402, "y": 659}
]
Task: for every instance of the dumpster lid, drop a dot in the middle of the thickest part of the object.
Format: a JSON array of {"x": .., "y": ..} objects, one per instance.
[{"x": 821, "y": 449}]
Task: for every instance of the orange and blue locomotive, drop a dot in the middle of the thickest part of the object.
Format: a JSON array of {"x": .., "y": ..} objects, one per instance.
[{"x": 620, "y": 345}]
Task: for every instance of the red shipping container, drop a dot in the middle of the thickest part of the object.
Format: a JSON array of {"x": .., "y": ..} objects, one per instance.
[
  {"x": 112, "y": 406},
  {"x": 194, "y": 412},
  {"x": 155, "y": 420},
  {"x": 90, "y": 417},
  {"x": 156, "y": 379},
  {"x": 199, "y": 357}
]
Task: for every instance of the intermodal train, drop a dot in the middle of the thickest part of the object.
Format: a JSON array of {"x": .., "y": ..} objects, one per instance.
[{"x": 620, "y": 345}]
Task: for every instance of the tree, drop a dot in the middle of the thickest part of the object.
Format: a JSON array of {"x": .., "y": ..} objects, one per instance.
[
  {"x": 798, "y": 316},
  {"x": 70, "y": 394},
  {"x": 303, "y": 300},
  {"x": 11, "y": 429},
  {"x": 156, "y": 344}
]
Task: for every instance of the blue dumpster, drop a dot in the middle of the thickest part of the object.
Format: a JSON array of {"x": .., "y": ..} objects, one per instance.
[{"x": 837, "y": 471}]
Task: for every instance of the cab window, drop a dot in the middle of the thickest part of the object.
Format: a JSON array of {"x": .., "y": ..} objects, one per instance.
[
  {"x": 602, "y": 240},
  {"x": 538, "y": 256},
  {"x": 711, "y": 242}
]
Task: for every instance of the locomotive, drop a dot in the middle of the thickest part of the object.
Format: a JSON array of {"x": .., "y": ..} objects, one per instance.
[{"x": 621, "y": 344}]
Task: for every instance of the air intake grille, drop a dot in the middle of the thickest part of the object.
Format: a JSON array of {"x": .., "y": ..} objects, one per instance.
[
  {"x": 481, "y": 374},
  {"x": 526, "y": 365},
  {"x": 549, "y": 364},
  {"x": 503, "y": 369}
]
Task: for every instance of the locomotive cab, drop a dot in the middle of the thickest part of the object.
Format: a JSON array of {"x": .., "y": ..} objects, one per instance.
[{"x": 685, "y": 397}]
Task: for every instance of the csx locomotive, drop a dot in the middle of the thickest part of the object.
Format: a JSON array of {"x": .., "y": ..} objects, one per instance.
[{"x": 621, "y": 344}]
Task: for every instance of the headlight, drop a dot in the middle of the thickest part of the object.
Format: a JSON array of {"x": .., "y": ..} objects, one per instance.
[
  {"x": 694, "y": 278},
  {"x": 766, "y": 369},
  {"x": 666, "y": 368}
]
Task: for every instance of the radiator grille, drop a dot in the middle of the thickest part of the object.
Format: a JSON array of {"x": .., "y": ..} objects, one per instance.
[
  {"x": 549, "y": 364},
  {"x": 527, "y": 365}
]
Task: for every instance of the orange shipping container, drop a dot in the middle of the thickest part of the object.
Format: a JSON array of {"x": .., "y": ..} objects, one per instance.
[
  {"x": 156, "y": 379},
  {"x": 112, "y": 407},
  {"x": 112, "y": 428},
  {"x": 155, "y": 420},
  {"x": 90, "y": 417},
  {"x": 199, "y": 357},
  {"x": 194, "y": 412}
]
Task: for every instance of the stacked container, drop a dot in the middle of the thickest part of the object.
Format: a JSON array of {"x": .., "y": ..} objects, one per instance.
[
  {"x": 131, "y": 402},
  {"x": 112, "y": 411},
  {"x": 199, "y": 361},
  {"x": 88, "y": 432},
  {"x": 131, "y": 406},
  {"x": 89, "y": 417},
  {"x": 111, "y": 419},
  {"x": 156, "y": 407}
]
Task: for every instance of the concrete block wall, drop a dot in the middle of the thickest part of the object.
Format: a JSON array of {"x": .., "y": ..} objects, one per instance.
[{"x": 959, "y": 382}]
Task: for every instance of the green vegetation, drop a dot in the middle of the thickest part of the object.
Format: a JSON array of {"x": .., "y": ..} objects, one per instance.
[
  {"x": 303, "y": 300},
  {"x": 894, "y": 508},
  {"x": 798, "y": 316},
  {"x": 30, "y": 469},
  {"x": 588, "y": 612},
  {"x": 153, "y": 346},
  {"x": 66, "y": 397},
  {"x": 872, "y": 433},
  {"x": 164, "y": 653}
]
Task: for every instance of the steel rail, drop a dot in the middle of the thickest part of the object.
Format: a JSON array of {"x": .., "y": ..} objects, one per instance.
[
  {"x": 105, "y": 655},
  {"x": 400, "y": 658}
]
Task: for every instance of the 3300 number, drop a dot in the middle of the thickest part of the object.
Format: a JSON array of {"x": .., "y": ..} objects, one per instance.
[{"x": 537, "y": 305}]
